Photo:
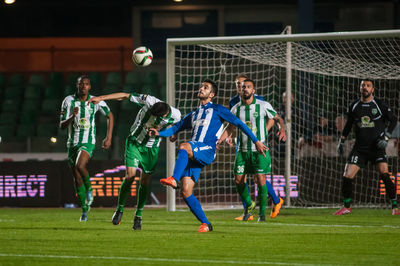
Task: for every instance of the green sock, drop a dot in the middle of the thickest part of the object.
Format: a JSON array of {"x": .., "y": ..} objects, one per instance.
[
  {"x": 347, "y": 202},
  {"x": 262, "y": 198},
  {"x": 244, "y": 194},
  {"x": 142, "y": 194},
  {"x": 86, "y": 182},
  {"x": 394, "y": 204},
  {"x": 124, "y": 192},
  {"x": 81, "y": 192}
]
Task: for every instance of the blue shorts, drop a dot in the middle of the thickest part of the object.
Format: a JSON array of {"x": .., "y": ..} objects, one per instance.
[{"x": 203, "y": 155}]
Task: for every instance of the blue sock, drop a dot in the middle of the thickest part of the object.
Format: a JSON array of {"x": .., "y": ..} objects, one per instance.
[
  {"x": 195, "y": 208},
  {"x": 180, "y": 164},
  {"x": 243, "y": 201},
  {"x": 271, "y": 192}
]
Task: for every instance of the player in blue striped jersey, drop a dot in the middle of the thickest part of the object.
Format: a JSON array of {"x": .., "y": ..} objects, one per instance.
[{"x": 206, "y": 124}]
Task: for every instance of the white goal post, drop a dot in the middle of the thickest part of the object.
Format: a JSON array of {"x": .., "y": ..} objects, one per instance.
[{"x": 323, "y": 72}]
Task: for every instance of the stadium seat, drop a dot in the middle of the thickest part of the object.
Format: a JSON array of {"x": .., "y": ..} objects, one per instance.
[
  {"x": 69, "y": 90},
  {"x": 133, "y": 79},
  {"x": 71, "y": 79},
  {"x": 96, "y": 79},
  {"x": 16, "y": 80},
  {"x": 52, "y": 92},
  {"x": 114, "y": 79},
  {"x": 28, "y": 117},
  {"x": 11, "y": 105},
  {"x": 56, "y": 80},
  {"x": 13, "y": 92},
  {"x": 46, "y": 130},
  {"x": 8, "y": 118},
  {"x": 7, "y": 130},
  {"x": 37, "y": 80},
  {"x": 30, "y": 105},
  {"x": 32, "y": 92},
  {"x": 51, "y": 106},
  {"x": 151, "y": 78},
  {"x": 25, "y": 130}
]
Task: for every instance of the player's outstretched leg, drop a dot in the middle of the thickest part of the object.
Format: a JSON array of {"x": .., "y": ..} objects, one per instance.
[
  {"x": 180, "y": 165},
  {"x": 245, "y": 196}
]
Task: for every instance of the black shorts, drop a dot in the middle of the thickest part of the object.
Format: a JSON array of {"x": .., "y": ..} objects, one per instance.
[{"x": 361, "y": 157}]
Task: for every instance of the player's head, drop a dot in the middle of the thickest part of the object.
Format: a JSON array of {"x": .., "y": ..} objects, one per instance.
[
  {"x": 248, "y": 89},
  {"x": 367, "y": 88},
  {"x": 160, "y": 109},
  {"x": 83, "y": 85},
  {"x": 238, "y": 82},
  {"x": 208, "y": 90}
]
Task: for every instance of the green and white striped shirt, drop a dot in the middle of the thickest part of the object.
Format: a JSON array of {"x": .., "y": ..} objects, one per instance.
[
  {"x": 82, "y": 129},
  {"x": 255, "y": 117},
  {"x": 144, "y": 120}
]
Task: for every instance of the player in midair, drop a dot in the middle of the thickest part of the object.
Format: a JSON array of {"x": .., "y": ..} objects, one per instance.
[
  {"x": 369, "y": 117},
  {"x": 206, "y": 124}
]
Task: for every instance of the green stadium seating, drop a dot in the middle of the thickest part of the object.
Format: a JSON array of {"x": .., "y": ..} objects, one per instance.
[
  {"x": 11, "y": 105},
  {"x": 128, "y": 106},
  {"x": 71, "y": 79},
  {"x": 128, "y": 88},
  {"x": 114, "y": 79},
  {"x": 56, "y": 80},
  {"x": 52, "y": 92},
  {"x": 51, "y": 106},
  {"x": 96, "y": 79},
  {"x": 46, "y": 130},
  {"x": 13, "y": 92},
  {"x": 8, "y": 118},
  {"x": 28, "y": 117},
  {"x": 30, "y": 105},
  {"x": 7, "y": 130},
  {"x": 32, "y": 92},
  {"x": 37, "y": 80},
  {"x": 123, "y": 130},
  {"x": 110, "y": 89},
  {"x": 133, "y": 79},
  {"x": 68, "y": 90},
  {"x": 151, "y": 78},
  {"x": 25, "y": 130},
  {"x": 16, "y": 80}
]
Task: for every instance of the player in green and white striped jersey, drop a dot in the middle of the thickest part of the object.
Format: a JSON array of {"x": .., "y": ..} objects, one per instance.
[
  {"x": 255, "y": 113},
  {"x": 141, "y": 150},
  {"x": 78, "y": 116}
]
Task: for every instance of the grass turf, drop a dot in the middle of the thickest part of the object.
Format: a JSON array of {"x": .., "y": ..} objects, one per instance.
[{"x": 295, "y": 237}]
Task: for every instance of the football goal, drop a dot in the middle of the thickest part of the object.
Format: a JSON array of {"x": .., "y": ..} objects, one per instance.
[{"x": 310, "y": 79}]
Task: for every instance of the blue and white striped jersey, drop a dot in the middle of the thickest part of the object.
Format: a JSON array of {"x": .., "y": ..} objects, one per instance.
[{"x": 206, "y": 123}]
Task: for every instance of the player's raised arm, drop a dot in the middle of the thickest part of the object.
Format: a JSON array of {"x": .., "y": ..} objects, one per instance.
[
  {"x": 226, "y": 136},
  {"x": 113, "y": 96}
]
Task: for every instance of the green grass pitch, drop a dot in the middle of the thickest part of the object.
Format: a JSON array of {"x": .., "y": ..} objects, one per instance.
[{"x": 295, "y": 237}]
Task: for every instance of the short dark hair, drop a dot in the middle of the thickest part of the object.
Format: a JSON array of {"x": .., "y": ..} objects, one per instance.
[
  {"x": 213, "y": 85},
  {"x": 159, "y": 109},
  {"x": 82, "y": 77},
  {"x": 249, "y": 80},
  {"x": 370, "y": 80}
]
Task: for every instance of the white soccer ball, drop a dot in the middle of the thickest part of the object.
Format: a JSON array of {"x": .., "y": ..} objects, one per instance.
[{"x": 142, "y": 56}]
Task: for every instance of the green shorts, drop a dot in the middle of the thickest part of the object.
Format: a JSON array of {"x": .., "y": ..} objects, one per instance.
[
  {"x": 252, "y": 163},
  {"x": 74, "y": 151},
  {"x": 138, "y": 155}
]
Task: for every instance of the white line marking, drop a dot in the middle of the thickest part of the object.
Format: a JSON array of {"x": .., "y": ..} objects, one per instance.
[{"x": 157, "y": 259}]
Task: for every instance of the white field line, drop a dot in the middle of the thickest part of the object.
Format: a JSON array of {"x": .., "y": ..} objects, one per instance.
[{"x": 156, "y": 259}]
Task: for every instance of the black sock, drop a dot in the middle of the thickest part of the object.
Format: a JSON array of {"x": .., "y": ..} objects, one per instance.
[
  {"x": 390, "y": 188},
  {"x": 347, "y": 191}
]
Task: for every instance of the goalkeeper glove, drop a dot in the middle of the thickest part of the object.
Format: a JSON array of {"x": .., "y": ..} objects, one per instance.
[
  {"x": 340, "y": 147},
  {"x": 382, "y": 141}
]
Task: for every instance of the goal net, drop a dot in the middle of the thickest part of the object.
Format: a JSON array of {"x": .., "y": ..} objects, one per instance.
[{"x": 325, "y": 74}]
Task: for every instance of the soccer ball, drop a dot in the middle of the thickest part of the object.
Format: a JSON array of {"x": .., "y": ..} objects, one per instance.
[{"x": 142, "y": 56}]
